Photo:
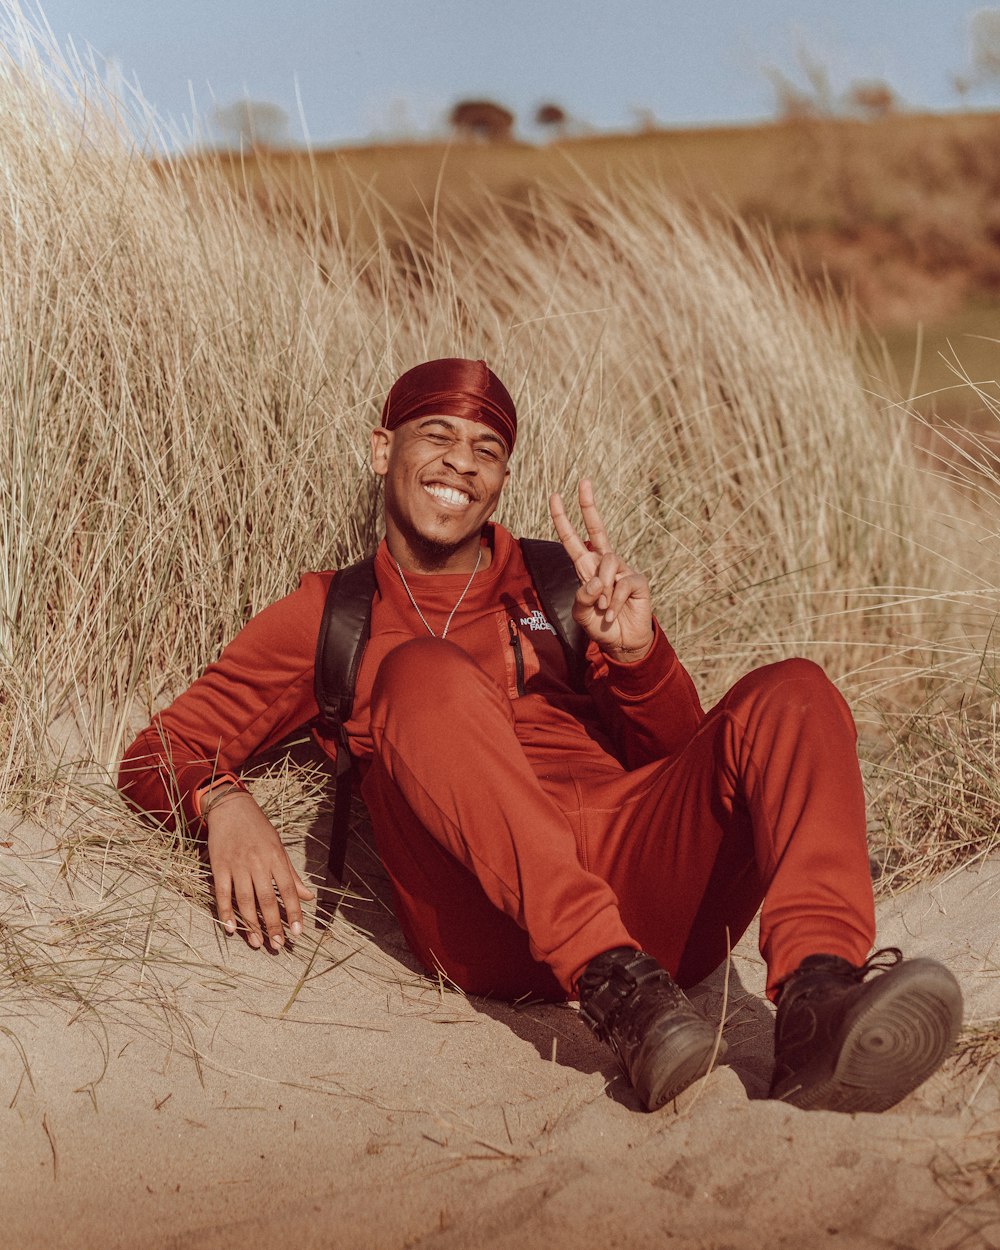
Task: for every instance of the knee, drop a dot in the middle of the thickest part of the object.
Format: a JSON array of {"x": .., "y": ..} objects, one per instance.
[
  {"x": 418, "y": 671},
  {"x": 426, "y": 683},
  {"x": 792, "y": 688},
  {"x": 793, "y": 676}
]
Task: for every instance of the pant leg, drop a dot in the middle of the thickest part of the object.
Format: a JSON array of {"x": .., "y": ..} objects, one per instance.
[
  {"x": 765, "y": 801},
  {"x": 764, "y": 805},
  {"x": 466, "y": 831}
]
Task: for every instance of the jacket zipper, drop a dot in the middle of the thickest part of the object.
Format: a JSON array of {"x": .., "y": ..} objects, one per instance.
[{"x": 515, "y": 642}]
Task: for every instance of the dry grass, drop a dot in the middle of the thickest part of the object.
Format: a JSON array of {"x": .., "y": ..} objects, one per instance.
[
  {"x": 189, "y": 388},
  {"x": 978, "y": 1046},
  {"x": 939, "y": 795}
]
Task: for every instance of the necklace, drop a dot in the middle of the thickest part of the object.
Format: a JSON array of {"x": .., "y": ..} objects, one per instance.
[{"x": 444, "y": 632}]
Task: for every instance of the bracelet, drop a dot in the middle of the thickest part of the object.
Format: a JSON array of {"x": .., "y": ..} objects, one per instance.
[{"x": 228, "y": 780}]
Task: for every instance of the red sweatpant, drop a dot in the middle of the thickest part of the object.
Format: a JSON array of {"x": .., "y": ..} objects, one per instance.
[{"x": 510, "y": 889}]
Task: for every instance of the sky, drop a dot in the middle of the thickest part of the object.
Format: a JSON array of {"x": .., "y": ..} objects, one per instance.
[{"x": 349, "y": 71}]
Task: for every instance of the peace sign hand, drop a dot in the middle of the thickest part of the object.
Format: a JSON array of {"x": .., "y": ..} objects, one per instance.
[{"x": 613, "y": 604}]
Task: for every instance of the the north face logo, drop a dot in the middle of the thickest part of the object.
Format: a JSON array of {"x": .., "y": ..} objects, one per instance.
[{"x": 536, "y": 621}]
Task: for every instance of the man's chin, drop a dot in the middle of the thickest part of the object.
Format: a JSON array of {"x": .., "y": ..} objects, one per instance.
[{"x": 435, "y": 551}]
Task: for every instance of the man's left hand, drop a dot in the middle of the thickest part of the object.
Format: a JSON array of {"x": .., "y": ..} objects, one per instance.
[{"x": 613, "y": 604}]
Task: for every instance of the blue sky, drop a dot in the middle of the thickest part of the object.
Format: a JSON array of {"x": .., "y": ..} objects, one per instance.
[{"x": 354, "y": 69}]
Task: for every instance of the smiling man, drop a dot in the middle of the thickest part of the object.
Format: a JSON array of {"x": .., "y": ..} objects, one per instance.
[{"x": 553, "y": 828}]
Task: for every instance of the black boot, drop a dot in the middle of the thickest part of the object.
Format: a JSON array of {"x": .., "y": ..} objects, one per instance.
[
  {"x": 845, "y": 1044},
  {"x": 661, "y": 1040}
]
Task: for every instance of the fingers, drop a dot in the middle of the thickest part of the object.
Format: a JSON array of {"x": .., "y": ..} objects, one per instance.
[
  {"x": 613, "y": 604},
  {"x": 597, "y": 536},
  {"x": 246, "y": 901},
  {"x": 585, "y": 555},
  {"x": 291, "y": 888},
  {"x": 223, "y": 883},
  {"x": 301, "y": 889},
  {"x": 267, "y": 902},
  {"x": 574, "y": 545},
  {"x": 249, "y": 862},
  {"x": 596, "y": 532},
  {"x": 600, "y": 590},
  {"x": 629, "y": 587},
  {"x": 258, "y": 895}
]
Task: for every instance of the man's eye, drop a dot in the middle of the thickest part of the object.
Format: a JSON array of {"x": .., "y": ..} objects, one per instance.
[{"x": 487, "y": 453}]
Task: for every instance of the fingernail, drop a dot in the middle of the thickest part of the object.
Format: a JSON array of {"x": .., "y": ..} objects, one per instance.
[
  {"x": 254, "y": 941},
  {"x": 296, "y": 928},
  {"x": 277, "y": 942},
  {"x": 229, "y": 926}
]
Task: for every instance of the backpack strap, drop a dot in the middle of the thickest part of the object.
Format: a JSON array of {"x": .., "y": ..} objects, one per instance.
[
  {"x": 343, "y": 633},
  {"x": 556, "y": 583}
]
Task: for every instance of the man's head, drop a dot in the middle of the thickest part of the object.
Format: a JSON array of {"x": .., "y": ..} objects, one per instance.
[{"x": 448, "y": 428}]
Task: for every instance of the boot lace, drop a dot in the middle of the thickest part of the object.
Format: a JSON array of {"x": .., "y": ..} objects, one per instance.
[{"x": 879, "y": 961}]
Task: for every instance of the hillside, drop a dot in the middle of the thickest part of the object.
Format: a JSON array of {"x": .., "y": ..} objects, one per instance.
[{"x": 903, "y": 212}]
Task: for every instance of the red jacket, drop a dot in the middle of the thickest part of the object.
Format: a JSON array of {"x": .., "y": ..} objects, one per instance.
[{"x": 261, "y": 687}]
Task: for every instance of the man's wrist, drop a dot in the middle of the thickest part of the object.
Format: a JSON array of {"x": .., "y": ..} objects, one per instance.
[
  {"x": 206, "y": 796},
  {"x": 630, "y": 655},
  {"x": 220, "y": 797}
]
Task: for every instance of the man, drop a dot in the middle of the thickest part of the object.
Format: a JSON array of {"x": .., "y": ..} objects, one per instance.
[{"x": 605, "y": 844}]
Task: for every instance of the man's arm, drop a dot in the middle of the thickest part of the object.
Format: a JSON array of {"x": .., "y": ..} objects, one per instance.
[
  {"x": 642, "y": 688},
  {"x": 652, "y": 707},
  {"x": 259, "y": 690}
]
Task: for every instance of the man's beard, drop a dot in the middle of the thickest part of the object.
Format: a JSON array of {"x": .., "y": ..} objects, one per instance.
[{"x": 434, "y": 555}]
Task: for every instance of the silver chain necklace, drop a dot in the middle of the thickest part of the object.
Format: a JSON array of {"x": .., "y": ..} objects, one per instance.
[{"x": 444, "y": 632}]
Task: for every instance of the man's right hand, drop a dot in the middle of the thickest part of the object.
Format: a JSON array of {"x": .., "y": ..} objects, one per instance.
[{"x": 249, "y": 861}]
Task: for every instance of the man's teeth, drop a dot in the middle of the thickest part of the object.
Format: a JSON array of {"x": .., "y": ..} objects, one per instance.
[{"x": 449, "y": 495}]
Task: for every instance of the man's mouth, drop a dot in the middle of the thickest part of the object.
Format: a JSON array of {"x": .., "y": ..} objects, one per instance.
[{"x": 449, "y": 495}]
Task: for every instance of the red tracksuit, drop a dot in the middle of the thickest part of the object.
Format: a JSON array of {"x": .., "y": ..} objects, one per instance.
[{"x": 527, "y": 827}]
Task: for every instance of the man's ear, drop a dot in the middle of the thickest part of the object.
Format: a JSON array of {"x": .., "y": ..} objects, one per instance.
[{"x": 381, "y": 443}]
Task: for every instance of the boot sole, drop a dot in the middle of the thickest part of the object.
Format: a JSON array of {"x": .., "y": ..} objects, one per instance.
[
  {"x": 672, "y": 1059},
  {"x": 891, "y": 1044}
]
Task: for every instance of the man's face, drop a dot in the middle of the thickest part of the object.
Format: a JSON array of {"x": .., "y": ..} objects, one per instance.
[{"x": 443, "y": 478}]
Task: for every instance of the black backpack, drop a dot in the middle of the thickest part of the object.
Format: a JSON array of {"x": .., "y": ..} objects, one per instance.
[{"x": 346, "y": 627}]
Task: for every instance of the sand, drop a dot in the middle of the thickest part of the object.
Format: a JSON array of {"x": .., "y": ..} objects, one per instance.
[{"x": 215, "y": 1096}]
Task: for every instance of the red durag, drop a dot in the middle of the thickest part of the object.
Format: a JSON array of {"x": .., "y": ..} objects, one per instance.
[{"x": 452, "y": 387}]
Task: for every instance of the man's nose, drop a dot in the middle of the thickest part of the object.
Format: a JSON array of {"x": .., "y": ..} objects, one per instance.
[{"x": 461, "y": 458}]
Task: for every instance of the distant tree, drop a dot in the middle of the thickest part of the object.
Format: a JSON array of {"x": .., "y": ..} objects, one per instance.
[
  {"x": 252, "y": 124},
  {"x": 872, "y": 99},
  {"x": 481, "y": 119},
  {"x": 551, "y": 117}
]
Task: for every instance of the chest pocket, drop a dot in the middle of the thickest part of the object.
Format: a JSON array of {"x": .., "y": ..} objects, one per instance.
[{"x": 535, "y": 661}]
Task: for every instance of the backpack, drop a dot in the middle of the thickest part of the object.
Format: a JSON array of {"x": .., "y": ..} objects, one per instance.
[{"x": 346, "y": 627}]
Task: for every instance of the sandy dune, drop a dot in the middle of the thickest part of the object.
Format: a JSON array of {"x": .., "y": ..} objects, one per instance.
[{"x": 367, "y": 1107}]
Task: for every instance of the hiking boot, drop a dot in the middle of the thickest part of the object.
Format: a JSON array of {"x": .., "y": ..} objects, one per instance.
[
  {"x": 842, "y": 1043},
  {"x": 662, "y": 1042}
]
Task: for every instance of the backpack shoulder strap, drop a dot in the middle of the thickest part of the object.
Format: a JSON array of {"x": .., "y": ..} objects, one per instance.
[
  {"x": 343, "y": 633},
  {"x": 556, "y": 584}
]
